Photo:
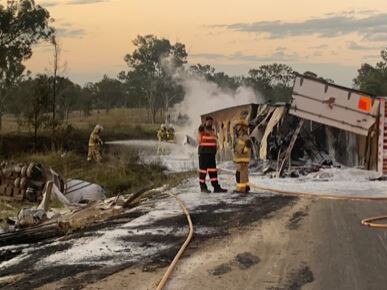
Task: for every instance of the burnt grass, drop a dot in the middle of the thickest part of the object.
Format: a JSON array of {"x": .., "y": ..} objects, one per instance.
[
  {"x": 295, "y": 221},
  {"x": 209, "y": 216},
  {"x": 296, "y": 280}
]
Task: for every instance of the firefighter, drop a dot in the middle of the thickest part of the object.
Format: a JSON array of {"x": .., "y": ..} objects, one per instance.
[
  {"x": 207, "y": 141},
  {"x": 95, "y": 145},
  {"x": 170, "y": 133},
  {"x": 241, "y": 155},
  {"x": 162, "y": 133}
]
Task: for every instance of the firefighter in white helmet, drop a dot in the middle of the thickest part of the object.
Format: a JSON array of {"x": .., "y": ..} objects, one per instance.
[
  {"x": 95, "y": 145},
  {"x": 207, "y": 141}
]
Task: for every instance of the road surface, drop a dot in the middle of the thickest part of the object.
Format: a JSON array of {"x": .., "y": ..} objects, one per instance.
[
  {"x": 311, "y": 244},
  {"x": 259, "y": 241}
]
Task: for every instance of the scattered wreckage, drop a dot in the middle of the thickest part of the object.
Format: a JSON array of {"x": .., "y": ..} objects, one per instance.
[
  {"x": 34, "y": 183},
  {"x": 324, "y": 124},
  {"x": 27, "y": 182},
  {"x": 83, "y": 207}
]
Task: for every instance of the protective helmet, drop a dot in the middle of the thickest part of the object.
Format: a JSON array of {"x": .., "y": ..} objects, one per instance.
[
  {"x": 241, "y": 122},
  {"x": 163, "y": 126},
  {"x": 98, "y": 128}
]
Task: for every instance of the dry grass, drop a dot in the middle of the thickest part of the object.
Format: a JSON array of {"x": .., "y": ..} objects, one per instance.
[{"x": 116, "y": 119}]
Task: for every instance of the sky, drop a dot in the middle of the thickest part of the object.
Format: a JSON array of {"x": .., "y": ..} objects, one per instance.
[{"x": 330, "y": 38}]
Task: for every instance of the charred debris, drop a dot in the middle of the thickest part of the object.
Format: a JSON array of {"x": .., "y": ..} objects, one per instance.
[{"x": 324, "y": 125}]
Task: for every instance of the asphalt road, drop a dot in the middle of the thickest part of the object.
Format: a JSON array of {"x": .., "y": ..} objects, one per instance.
[
  {"x": 341, "y": 252},
  {"x": 313, "y": 244}
]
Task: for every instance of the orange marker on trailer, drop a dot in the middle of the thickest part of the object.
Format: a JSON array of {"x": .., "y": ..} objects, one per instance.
[{"x": 365, "y": 103}]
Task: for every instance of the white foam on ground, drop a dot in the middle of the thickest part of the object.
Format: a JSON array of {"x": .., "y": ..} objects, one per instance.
[
  {"x": 14, "y": 261},
  {"x": 108, "y": 247},
  {"x": 175, "y": 157},
  {"x": 344, "y": 182}
]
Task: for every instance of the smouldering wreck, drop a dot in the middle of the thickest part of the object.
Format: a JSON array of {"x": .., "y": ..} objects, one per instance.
[{"x": 323, "y": 124}]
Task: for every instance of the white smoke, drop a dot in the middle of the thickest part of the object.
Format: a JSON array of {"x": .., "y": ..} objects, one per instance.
[{"x": 202, "y": 97}]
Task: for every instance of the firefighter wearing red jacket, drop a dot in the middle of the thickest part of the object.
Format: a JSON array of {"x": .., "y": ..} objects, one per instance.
[{"x": 207, "y": 141}]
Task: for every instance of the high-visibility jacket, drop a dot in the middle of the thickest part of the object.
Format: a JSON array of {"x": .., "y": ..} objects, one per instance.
[
  {"x": 207, "y": 140},
  {"x": 242, "y": 151}
]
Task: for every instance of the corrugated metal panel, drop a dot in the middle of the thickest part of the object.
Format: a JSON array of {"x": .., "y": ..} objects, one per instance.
[{"x": 334, "y": 106}]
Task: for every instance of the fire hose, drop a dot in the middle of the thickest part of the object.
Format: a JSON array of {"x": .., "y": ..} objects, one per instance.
[
  {"x": 183, "y": 247},
  {"x": 370, "y": 222}
]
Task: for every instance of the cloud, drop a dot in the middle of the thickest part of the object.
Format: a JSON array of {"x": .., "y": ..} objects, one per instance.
[
  {"x": 70, "y": 32},
  {"x": 352, "y": 45},
  {"x": 52, "y": 3},
  {"x": 47, "y": 4},
  {"x": 321, "y": 46},
  {"x": 83, "y": 2},
  {"x": 371, "y": 27},
  {"x": 279, "y": 55}
]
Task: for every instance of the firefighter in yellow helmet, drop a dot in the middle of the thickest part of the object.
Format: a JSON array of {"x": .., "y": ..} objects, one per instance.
[
  {"x": 170, "y": 133},
  {"x": 95, "y": 145},
  {"x": 241, "y": 155},
  {"x": 162, "y": 133}
]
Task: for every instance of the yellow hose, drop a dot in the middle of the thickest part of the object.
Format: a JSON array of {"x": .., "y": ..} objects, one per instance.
[
  {"x": 366, "y": 222},
  {"x": 183, "y": 247},
  {"x": 369, "y": 222},
  {"x": 318, "y": 195}
]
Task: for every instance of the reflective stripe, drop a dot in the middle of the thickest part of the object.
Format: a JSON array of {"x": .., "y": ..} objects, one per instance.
[
  {"x": 244, "y": 160},
  {"x": 208, "y": 141},
  {"x": 242, "y": 184},
  {"x": 208, "y": 144},
  {"x": 202, "y": 171},
  {"x": 212, "y": 170},
  {"x": 214, "y": 179},
  {"x": 208, "y": 138},
  {"x": 202, "y": 181}
]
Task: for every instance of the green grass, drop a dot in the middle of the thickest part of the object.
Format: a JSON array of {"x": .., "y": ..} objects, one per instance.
[
  {"x": 120, "y": 172},
  {"x": 117, "y": 175}
]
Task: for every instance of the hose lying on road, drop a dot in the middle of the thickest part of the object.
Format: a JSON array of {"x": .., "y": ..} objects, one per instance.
[
  {"x": 318, "y": 195},
  {"x": 366, "y": 222},
  {"x": 370, "y": 222},
  {"x": 183, "y": 247}
]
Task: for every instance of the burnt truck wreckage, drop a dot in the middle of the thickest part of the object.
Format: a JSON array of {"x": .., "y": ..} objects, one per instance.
[{"x": 323, "y": 125}]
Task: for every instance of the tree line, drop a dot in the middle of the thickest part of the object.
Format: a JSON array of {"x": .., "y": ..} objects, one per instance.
[{"x": 152, "y": 80}]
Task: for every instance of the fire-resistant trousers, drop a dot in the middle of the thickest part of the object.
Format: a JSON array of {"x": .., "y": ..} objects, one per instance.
[
  {"x": 207, "y": 164},
  {"x": 242, "y": 176}
]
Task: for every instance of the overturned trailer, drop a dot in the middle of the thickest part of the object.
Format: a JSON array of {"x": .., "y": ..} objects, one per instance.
[{"x": 323, "y": 123}]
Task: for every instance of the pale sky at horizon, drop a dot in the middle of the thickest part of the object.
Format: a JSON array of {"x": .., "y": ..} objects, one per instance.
[{"x": 331, "y": 38}]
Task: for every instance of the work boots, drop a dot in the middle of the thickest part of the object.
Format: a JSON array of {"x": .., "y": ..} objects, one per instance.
[
  {"x": 218, "y": 189},
  {"x": 205, "y": 190}
]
